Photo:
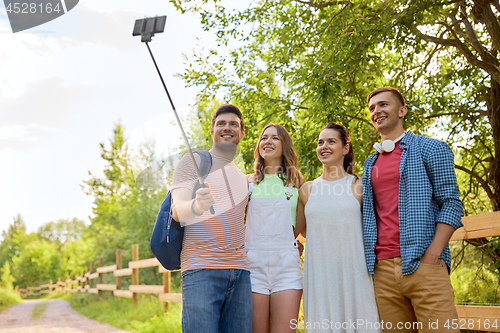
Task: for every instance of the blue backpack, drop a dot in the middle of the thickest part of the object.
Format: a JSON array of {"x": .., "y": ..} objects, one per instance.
[{"x": 166, "y": 240}]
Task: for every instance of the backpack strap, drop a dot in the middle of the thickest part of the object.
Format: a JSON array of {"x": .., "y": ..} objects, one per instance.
[
  {"x": 205, "y": 162},
  {"x": 204, "y": 167}
]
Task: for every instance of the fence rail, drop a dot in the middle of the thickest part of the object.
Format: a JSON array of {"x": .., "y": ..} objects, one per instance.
[
  {"x": 484, "y": 318},
  {"x": 83, "y": 283}
]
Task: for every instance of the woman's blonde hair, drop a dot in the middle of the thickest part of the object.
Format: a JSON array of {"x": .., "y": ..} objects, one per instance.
[{"x": 289, "y": 173}]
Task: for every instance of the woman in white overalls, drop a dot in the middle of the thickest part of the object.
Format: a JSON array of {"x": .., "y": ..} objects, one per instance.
[{"x": 275, "y": 269}]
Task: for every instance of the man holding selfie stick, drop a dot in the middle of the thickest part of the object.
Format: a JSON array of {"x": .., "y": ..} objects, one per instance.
[
  {"x": 216, "y": 289},
  {"x": 411, "y": 207}
]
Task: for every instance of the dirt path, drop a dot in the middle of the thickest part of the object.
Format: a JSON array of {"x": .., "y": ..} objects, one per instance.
[{"x": 57, "y": 318}]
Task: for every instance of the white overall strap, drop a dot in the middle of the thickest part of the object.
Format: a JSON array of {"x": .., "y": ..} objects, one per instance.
[
  {"x": 250, "y": 187},
  {"x": 289, "y": 192}
]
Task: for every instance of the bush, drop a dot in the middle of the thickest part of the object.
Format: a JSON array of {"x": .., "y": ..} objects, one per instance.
[
  {"x": 8, "y": 298},
  {"x": 475, "y": 279}
]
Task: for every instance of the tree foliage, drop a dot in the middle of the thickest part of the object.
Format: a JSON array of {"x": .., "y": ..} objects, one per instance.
[
  {"x": 7, "y": 279},
  {"x": 13, "y": 239},
  {"x": 37, "y": 262},
  {"x": 124, "y": 213},
  {"x": 63, "y": 230},
  {"x": 303, "y": 63}
]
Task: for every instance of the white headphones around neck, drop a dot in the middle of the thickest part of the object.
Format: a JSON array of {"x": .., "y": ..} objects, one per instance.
[{"x": 387, "y": 145}]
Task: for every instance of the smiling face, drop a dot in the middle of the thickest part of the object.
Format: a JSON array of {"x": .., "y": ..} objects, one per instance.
[
  {"x": 270, "y": 146},
  {"x": 227, "y": 129},
  {"x": 331, "y": 150},
  {"x": 386, "y": 113}
]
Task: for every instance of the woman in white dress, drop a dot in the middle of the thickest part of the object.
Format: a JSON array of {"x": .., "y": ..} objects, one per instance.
[
  {"x": 275, "y": 269},
  {"x": 338, "y": 290}
]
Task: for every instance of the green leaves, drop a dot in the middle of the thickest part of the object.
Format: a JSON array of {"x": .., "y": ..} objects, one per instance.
[
  {"x": 305, "y": 63},
  {"x": 7, "y": 279},
  {"x": 298, "y": 64}
]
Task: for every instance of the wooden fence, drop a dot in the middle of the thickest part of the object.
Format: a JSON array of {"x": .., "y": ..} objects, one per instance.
[
  {"x": 480, "y": 318},
  {"x": 483, "y": 318},
  {"x": 83, "y": 283}
]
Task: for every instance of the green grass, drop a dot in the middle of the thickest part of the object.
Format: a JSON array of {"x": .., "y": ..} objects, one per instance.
[
  {"x": 38, "y": 310},
  {"x": 8, "y": 298},
  {"x": 63, "y": 296},
  {"x": 148, "y": 316}
]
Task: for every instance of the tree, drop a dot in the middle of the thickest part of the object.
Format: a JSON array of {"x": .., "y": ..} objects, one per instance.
[
  {"x": 37, "y": 262},
  {"x": 17, "y": 226},
  {"x": 74, "y": 256},
  {"x": 124, "y": 212},
  {"x": 63, "y": 230},
  {"x": 298, "y": 63},
  {"x": 7, "y": 278},
  {"x": 13, "y": 240},
  {"x": 306, "y": 62},
  {"x": 470, "y": 32}
]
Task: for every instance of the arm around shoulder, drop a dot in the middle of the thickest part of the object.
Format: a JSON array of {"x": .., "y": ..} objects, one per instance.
[
  {"x": 304, "y": 192},
  {"x": 357, "y": 190}
]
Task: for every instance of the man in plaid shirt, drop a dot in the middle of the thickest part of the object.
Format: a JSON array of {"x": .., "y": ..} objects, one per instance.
[{"x": 411, "y": 207}]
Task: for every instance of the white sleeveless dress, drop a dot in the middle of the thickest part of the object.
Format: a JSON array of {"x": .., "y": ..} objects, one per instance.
[{"x": 338, "y": 290}]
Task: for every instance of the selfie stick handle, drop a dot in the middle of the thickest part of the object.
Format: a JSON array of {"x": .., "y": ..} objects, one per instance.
[{"x": 200, "y": 179}]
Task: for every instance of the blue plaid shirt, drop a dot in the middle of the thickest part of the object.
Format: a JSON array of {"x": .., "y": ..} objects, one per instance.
[{"x": 428, "y": 193}]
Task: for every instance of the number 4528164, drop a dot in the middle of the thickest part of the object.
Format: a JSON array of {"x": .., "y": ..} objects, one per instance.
[
  {"x": 32, "y": 8},
  {"x": 471, "y": 323}
]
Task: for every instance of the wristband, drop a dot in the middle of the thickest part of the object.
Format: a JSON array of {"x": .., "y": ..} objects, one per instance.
[{"x": 192, "y": 209}]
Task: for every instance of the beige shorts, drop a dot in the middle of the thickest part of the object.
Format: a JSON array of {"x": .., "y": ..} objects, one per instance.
[{"x": 423, "y": 301}]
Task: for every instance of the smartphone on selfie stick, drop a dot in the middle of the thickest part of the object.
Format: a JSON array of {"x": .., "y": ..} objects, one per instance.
[{"x": 147, "y": 28}]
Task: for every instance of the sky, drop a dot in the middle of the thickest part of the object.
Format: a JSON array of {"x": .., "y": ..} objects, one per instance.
[{"x": 63, "y": 87}]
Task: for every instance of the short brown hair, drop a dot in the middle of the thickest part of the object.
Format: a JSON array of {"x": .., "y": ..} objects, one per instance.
[
  {"x": 228, "y": 108},
  {"x": 395, "y": 92}
]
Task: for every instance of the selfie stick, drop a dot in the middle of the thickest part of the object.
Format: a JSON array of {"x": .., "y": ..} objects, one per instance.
[{"x": 146, "y": 28}]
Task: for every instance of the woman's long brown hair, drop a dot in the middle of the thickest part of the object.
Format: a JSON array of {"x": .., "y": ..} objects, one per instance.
[{"x": 289, "y": 173}]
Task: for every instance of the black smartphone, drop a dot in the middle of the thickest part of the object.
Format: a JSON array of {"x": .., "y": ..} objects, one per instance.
[{"x": 149, "y": 26}]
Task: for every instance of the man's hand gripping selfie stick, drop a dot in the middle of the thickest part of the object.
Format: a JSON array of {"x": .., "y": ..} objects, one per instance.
[{"x": 146, "y": 28}]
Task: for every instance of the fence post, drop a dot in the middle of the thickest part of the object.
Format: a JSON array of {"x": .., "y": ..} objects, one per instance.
[
  {"x": 50, "y": 286},
  {"x": 91, "y": 271},
  {"x": 166, "y": 287},
  {"x": 16, "y": 289},
  {"x": 85, "y": 279},
  {"x": 100, "y": 279},
  {"x": 58, "y": 287},
  {"x": 118, "y": 266},
  {"x": 135, "y": 272},
  {"x": 91, "y": 282}
]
